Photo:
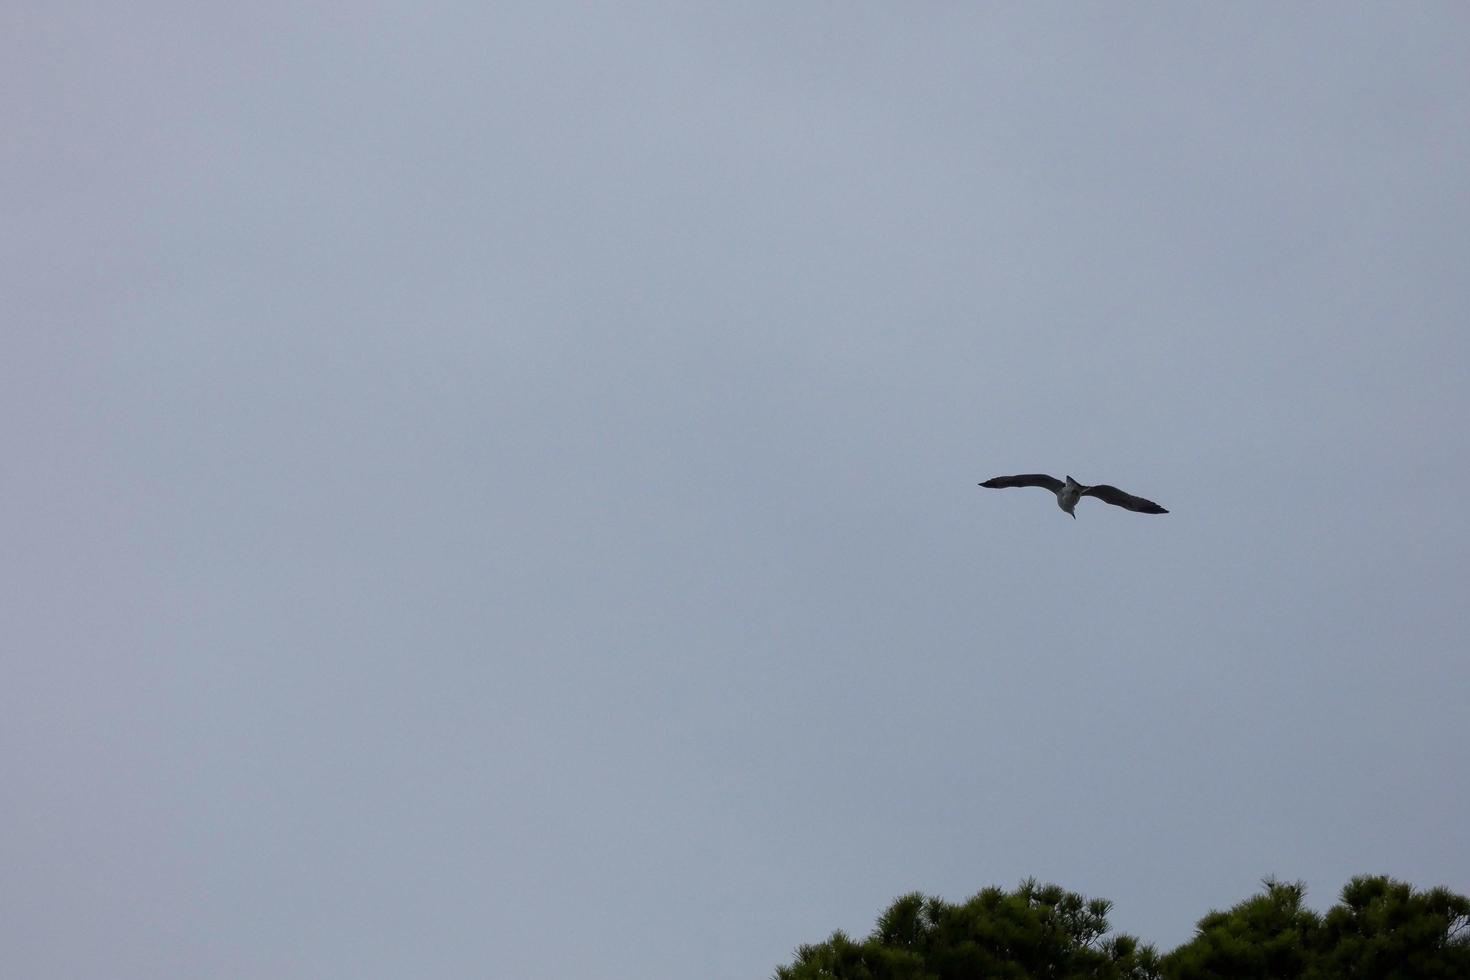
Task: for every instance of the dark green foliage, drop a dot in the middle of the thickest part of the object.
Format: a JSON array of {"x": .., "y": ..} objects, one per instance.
[
  {"x": 1036, "y": 931},
  {"x": 1381, "y": 929},
  {"x": 1270, "y": 935}
]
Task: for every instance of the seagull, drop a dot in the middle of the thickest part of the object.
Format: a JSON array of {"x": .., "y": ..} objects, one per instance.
[{"x": 1070, "y": 492}]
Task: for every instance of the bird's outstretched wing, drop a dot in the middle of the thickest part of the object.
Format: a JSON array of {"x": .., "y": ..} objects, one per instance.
[
  {"x": 1024, "y": 480},
  {"x": 1116, "y": 497}
]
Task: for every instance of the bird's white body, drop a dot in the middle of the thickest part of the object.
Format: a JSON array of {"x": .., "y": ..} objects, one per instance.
[{"x": 1068, "y": 495}]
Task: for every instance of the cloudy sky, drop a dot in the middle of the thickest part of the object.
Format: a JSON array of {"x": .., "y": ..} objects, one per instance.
[{"x": 489, "y": 489}]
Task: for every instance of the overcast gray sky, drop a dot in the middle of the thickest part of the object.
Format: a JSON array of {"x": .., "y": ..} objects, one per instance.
[{"x": 489, "y": 489}]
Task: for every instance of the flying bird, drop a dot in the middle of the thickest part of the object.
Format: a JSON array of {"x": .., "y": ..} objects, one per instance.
[{"x": 1070, "y": 492}]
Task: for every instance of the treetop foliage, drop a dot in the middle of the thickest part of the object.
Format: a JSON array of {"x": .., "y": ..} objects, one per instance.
[
  {"x": 1034, "y": 931},
  {"x": 1381, "y": 929}
]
